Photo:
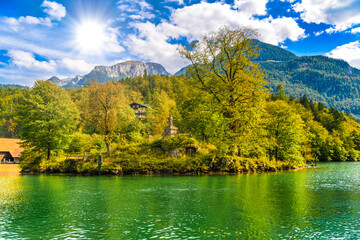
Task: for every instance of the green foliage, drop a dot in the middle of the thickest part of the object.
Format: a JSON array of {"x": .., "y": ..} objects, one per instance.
[
  {"x": 8, "y": 101},
  {"x": 12, "y": 87},
  {"x": 84, "y": 143},
  {"x": 285, "y": 130},
  {"x": 330, "y": 81},
  {"x": 105, "y": 101},
  {"x": 169, "y": 143},
  {"x": 221, "y": 67},
  {"x": 223, "y": 105},
  {"x": 273, "y": 53},
  {"x": 47, "y": 117}
]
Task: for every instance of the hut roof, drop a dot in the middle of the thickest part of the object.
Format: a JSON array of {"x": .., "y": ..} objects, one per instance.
[
  {"x": 140, "y": 105},
  {"x": 11, "y": 145}
]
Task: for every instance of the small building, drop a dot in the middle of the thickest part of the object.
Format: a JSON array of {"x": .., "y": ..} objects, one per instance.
[
  {"x": 140, "y": 109},
  {"x": 170, "y": 130},
  {"x": 10, "y": 150}
]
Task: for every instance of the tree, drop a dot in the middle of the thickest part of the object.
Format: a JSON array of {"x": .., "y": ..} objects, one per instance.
[
  {"x": 8, "y": 102},
  {"x": 280, "y": 93},
  {"x": 47, "y": 117},
  {"x": 285, "y": 131},
  {"x": 105, "y": 100},
  {"x": 221, "y": 66}
]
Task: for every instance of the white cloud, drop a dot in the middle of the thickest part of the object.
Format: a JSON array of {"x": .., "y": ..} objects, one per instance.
[
  {"x": 28, "y": 20},
  {"x": 152, "y": 42},
  {"x": 209, "y": 17},
  {"x": 349, "y": 52},
  {"x": 252, "y": 7},
  {"x": 111, "y": 43},
  {"x": 135, "y": 9},
  {"x": 27, "y": 60},
  {"x": 155, "y": 47},
  {"x": 179, "y": 2},
  {"x": 342, "y": 14},
  {"x": 8, "y": 42},
  {"x": 355, "y": 30},
  {"x": 77, "y": 66},
  {"x": 318, "y": 33},
  {"x": 13, "y": 76},
  {"x": 120, "y": 61},
  {"x": 55, "y": 10}
]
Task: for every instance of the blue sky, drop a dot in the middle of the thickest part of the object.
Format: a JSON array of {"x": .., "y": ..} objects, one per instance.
[{"x": 43, "y": 38}]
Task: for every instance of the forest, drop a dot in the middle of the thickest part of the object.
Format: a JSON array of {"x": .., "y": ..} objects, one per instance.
[{"x": 222, "y": 108}]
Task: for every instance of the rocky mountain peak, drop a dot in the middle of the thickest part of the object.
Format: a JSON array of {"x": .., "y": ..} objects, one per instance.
[{"x": 116, "y": 72}]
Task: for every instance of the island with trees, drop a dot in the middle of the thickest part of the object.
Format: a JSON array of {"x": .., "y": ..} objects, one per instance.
[{"x": 226, "y": 120}]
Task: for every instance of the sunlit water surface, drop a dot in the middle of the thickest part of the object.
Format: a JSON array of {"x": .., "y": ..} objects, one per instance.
[{"x": 321, "y": 203}]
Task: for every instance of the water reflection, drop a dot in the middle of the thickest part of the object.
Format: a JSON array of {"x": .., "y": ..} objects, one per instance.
[{"x": 321, "y": 203}]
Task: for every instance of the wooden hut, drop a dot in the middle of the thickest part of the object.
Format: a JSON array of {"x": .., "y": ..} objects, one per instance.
[
  {"x": 140, "y": 109},
  {"x": 10, "y": 150}
]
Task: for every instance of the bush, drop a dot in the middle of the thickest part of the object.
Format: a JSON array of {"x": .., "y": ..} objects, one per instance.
[{"x": 81, "y": 142}]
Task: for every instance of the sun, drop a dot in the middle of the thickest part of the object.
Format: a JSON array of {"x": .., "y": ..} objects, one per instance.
[{"x": 90, "y": 36}]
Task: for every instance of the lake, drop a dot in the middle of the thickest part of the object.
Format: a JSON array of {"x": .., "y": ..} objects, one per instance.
[{"x": 320, "y": 203}]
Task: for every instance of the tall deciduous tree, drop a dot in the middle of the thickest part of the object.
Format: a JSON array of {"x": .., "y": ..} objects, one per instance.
[
  {"x": 46, "y": 116},
  {"x": 221, "y": 66},
  {"x": 104, "y": 104}
]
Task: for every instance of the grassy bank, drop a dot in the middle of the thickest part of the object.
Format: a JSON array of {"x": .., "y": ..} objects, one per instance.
[
  {"x": 117, "y": 165},
  {"x": 153, "y": 158}
]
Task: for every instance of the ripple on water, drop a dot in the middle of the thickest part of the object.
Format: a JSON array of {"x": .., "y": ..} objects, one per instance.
[{"x": 321, "y": 203}]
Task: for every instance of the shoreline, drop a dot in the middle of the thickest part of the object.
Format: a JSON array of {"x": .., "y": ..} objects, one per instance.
[{"x": 114, "y": 173}]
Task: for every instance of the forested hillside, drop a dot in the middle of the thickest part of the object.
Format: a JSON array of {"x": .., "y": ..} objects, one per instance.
[
  {"x": 12, "y": 86},
  {"x": 330, "y": 81},
  {"x": 322, "y": 79}
]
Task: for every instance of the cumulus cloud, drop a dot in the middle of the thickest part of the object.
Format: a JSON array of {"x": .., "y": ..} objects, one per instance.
[
  {"x": 55, "y": 10},
  {"x": 252, "y": 7},
  {"x": 27, "y": 60},
  {"x": 342, "y": 14},
  {"x": 111, "y": 42},
  {"x": 349, "y": 52},
  {"x": 153, "y": 41},
  {"x": 77, "y": 66},
  {"x": 153, "y": 46}
]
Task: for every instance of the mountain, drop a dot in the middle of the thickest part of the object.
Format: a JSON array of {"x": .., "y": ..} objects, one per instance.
[
  {"x": 118, "y": 71},
  {"x": 273, "y": 53},
  {"x": 322, "y": 79}
]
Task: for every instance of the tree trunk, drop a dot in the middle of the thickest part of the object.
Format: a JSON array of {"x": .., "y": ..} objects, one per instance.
[
  {"x": 107, "y": 142},
  {"x": 48, "y": 154}
]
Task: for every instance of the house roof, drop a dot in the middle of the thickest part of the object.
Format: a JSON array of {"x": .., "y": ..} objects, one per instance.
[
  {"x": 140, "y": 104},
  {"x": 11, "y": 145}
]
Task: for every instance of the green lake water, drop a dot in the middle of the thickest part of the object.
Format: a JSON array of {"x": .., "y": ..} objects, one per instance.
[{"x": 322, "y": 203}]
